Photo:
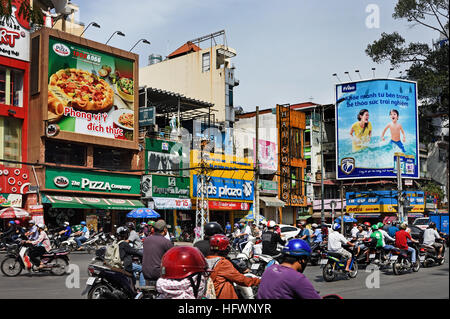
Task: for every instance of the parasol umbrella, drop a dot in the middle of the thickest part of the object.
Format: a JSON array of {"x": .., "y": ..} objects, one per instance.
[
  {"x": 250, "y": 216},
  {"x": 13, "y": 212},
  {"x": 143, "y": 213},
  {"x": 347, "y": 219}
]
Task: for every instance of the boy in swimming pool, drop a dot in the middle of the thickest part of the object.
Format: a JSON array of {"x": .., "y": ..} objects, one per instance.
[{"x": 395, "y": 128}]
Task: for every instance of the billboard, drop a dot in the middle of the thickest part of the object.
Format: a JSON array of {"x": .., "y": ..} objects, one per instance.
[
  {"x": 15, "y": 35},
  {"x": 383, "y": 201},
  {"x": 90, "y": 92},
  {"x": 376, "y": 122}
]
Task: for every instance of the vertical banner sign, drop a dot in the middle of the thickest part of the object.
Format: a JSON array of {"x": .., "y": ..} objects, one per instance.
[
  {"x": 90, "y": 92},
  {"x": 376, "y": 123},
  {"x": 283, "y": 150}
]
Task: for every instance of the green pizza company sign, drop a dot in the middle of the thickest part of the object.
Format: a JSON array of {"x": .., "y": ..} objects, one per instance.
[{"x": 84, "y": 181}]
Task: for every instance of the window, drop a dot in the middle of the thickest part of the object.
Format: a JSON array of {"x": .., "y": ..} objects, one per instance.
[
  {"x": 206, "y": 62},
  {"x": 296, "y": 143},
  {"x": 112, "y": 158},
  {"x": 11, "y": 87},
  {"x": 11, "y": 140},
  {"x": 65, "y": 153}
]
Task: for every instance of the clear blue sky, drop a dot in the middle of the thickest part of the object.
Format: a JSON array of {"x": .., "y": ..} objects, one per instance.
[{"x": 287, "y": 50}]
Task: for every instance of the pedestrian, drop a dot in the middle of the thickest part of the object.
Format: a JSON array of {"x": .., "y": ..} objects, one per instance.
[
  {"x": 155, "y": 247},
  {"x": 228, "y": 228}
]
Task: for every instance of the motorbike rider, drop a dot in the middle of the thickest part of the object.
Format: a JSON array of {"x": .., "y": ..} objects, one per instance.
[
  {"x": 355, "y": 230},
  {"x": 82, "y": 235},
  {"x": 270, "y": 238},
  {"x": 7, "y": 236},
  {"x": 393, "y": 229},
  {"x": 401, "y": 242},
  {"x": 255, "y": 231},
  {"x": 223, "y": 273},
  {"x": 127, "y": 253},
  {"x": 228, "y": 228},
  {"x": 66, "y": 232},
  {"x": 335, "y": 241},
  {"x": 210, "y": 229},
  {"x": 242, "y": 237},
  {"x": 184, "y": 273},
  {"x": 133, "y": 237},
  {"x": 40, "y": 246},
  {"x": 385, "y": 237},
  {"x": 429, "y": 238},
  {"x": 286, "y": 280},
  {"x": 316, "y": 236},
  {"x": 304, "y": 233},
  {"x": 33, "y": 233}
]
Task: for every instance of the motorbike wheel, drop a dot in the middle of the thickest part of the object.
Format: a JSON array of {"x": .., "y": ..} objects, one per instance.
[
  {"x": 98, "y": 290},
  {"x": 60, "y": 266},
  {"x": 396, "y": 267},
  {"x": 328, "y": 273},
  {"x": 442, "y": 261},
  {"x": 416, "y": 267},
  {"x": 428, "y": 262},
  {"x": 354, "y": 270},
  {"x": 11, "y": 267}
]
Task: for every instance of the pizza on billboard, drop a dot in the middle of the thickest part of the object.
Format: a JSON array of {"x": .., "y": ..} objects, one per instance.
[{"x": 90, "y": 92}]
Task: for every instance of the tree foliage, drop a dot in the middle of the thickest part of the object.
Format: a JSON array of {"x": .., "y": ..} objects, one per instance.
[
  {"x": 428, "y": 65},
  {"x": 25, "y": 10}
]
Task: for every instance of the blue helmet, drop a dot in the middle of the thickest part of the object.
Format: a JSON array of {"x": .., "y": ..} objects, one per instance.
[
  {"x": 83, "y": 223},
  {"x": 297, "y": 247},
  {"x": 336, "y": 226}
]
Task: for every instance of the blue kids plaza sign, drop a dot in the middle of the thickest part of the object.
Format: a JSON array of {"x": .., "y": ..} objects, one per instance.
[{"x": 226, "y": 189}]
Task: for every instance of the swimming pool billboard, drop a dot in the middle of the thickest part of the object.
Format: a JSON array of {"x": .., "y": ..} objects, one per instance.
[{"x": 376, "y": 122}]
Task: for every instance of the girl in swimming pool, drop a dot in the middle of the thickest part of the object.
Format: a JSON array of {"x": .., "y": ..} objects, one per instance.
[{"x": 362, "y": 130}]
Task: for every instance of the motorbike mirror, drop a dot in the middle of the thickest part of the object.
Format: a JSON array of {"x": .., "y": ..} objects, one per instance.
[{"x": 332, "y": 296}]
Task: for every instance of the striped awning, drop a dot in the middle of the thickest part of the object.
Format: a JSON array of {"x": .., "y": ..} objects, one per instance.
[{"x": 59, "y": 201}]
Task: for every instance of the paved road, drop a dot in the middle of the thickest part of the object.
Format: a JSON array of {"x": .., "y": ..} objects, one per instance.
[{"x": 427, "y": 283}]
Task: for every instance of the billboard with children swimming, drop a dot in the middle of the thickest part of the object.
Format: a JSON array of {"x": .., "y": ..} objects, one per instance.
[{"x": 376, "y": 122}]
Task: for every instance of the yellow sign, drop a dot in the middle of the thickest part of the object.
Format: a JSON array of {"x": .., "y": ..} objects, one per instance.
[{"x": 382, "y": 209}]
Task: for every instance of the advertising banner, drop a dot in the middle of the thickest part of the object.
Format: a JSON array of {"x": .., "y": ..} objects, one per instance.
[
  {"x": 91, "y": 182},
  {"x": 15, "y": 35},
  {"x": 376, "y": 122},
  {"x": 383, "y": 201},
  {"x": 267, "y": 156},
  {"x": 10, "y": 200},
  {"x": 90, "y": 92},
  {"x": 226, "y": 189},
  {"x": 168, "y": 186},
  {"x": 216, "y": 205},
  {"x": 172, "y": 203}
]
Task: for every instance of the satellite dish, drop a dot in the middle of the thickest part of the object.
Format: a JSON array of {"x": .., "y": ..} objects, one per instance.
[{"x": 61, "y": 6}]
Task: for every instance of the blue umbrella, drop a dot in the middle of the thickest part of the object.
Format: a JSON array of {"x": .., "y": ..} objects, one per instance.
[
  {"x": 143, "y": 213},
  {"x": 251, "y": 217},
  {"x": 347, "y": 219}
]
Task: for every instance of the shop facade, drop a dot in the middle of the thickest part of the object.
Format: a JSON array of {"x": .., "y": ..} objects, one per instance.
[
  {"x": 14, "y": 96},
  {"x": 269, "y": 203}
]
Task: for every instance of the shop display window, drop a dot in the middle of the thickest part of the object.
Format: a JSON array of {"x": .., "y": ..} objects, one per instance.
[
  {"x": 65, "y": 153},
  {"x": 11, "y": 87},
  {"x": 11, "y": 140},
  {"x": 112, "y": 158}
]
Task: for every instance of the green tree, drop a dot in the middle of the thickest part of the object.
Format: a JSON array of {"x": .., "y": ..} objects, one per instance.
[
  {"x": 25, "y": 10},
  {"x": 428, "y": 65}
]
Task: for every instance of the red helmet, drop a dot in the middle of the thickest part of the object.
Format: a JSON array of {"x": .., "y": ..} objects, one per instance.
[
  {"x": 182, "y": 261},
  {"x": 219, "y": 242},
  {"x": 367, "y": 224}
]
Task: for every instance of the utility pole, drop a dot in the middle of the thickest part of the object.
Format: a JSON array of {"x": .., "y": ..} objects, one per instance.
[
  {"x": 399, "y": 191},
  {"x": 202, "y": 204},
  {"x": 342, "y": 207},
  {"x": 256, "y": 186},
  {"x": 322, "y": 172}
]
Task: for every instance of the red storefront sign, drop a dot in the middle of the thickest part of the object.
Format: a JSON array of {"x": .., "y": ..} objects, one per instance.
[{"x": 216, "y": 205}]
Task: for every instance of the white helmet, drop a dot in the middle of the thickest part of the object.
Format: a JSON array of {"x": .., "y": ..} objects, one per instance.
[
  {"x": 31, "y": 222},
  {"x": 66, "y": 224},
  {"x": 314, "y": 225},
  {"x": 271, "y": 224},
  {"x": 41, "y": 226}
]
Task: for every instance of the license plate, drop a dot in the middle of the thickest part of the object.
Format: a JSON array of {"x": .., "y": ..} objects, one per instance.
[
  {"x": 394, "y": 257},
  {"x": 422, "y": 258},
  {"x": 255, "y": 267},
  {"x": 372, "y": 256},
  {"x": 323, "y": 261},
  {"x": 90, "y": 281}
]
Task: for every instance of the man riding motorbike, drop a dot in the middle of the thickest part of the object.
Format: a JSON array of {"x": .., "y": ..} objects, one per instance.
[
  {"x": 127, "y": 253},
  {"x": 429, "y": 238},
  {"x": 40, "y": 246},
  {"x": 401, "y": 238},
  {"x": 133, "y": 237},
  {"x": 210, "y": 229},
  {"x": 32, "y": 233},
  {"x": 66, "y": 232},
  {"x": 286, "y": 280},
  {"x": 270, "y": 239},
  {"x": 82, "y": 235},
  {"x": 335, "y": 241}
]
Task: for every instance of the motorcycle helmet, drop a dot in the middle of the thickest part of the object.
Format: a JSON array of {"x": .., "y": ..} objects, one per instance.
[
  {"x": 271, "y": 224},
  {"x": 314, "y": 225},
  {"x": 212, "y": 228},
  {"x": 32, "y": 222},
  {"x": 66, "y": 224},
  {"x": 374, "y": 227},
  {"x": 403, "y": 226},
  {"x": 380, "y": 225},
  {"x": 17, "y": 222},
  {"x": 367, "y": 224},
  {"x": 12, "y": 222},
  {"x": 336, "y": 226},
  {"x": 130, "y": 225},
  {"x": 151, "y": 222},
  {"x": 432, "y": 225},
  {"x": 219, "y": 242},
  {"x": 83, "y": 223},
  {"x": 41, "y": 226},
  {"x": 182, "y": 261},
  {"x": 297, "y": 247},
  {"x": 123, "y": 232}
]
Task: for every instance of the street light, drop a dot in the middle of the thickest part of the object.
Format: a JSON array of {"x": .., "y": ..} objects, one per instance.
[
  {"x": 143, "y": 40},
  {"x": 93, "y": 24},
  {"x": 118, "y": 32}
]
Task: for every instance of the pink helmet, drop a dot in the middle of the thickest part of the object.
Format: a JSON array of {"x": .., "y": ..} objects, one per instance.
[
  {"x": 17, "y": 222},
  {"x": 271, "y": 224}
]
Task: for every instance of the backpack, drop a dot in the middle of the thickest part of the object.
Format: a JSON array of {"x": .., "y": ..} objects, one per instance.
[{"x": 112, "y": 255}]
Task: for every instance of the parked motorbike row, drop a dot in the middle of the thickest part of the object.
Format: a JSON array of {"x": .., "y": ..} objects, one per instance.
[{"x": 94, "y": 242}]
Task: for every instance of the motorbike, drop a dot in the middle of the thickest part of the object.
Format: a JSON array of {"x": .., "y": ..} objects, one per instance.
[
  {"x": 55, "y": 261},
  {"x": 430, "y": 254},
  {"x": 317, "y": 249},
  {"x": 335, "y": 263},
  {"x": 244, "y": 292},
  {"x": 401, "y": 260},
  {"x": 113, "y": 283},
  {"x": 89, "y": 245}
]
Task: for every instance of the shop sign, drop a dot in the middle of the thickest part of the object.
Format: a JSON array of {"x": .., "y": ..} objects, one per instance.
[
  {"x": 225, "y": 188},
  {"x": 268, "y": 187},
  {"x": 283, "y": 118},
  {"x": 216, "y": 205},
  {"x": 15, "y": 35},
  {"x": 10, "y": 200},
  {"x": 172, "y": 203},
  {"x": 58, "y": 179},
  {"x": 146, "y": 186},
  {"x": 170, "y": 186},
  {"x": 383, "y": 201}
]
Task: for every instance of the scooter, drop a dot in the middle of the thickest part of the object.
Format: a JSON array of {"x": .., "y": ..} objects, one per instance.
[
  {"x": 317, "y": 250},
  {"x": 335, "y": 263},
  {"x": 430, "y": 255},
  {"x": 401, "y": 260},
  {"x": 55, "y": 261}
]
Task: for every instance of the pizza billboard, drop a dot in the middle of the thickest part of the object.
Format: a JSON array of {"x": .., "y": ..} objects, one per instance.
[
  {"x": 90, "y": 92},
  {"x": 376, "y": 123}
]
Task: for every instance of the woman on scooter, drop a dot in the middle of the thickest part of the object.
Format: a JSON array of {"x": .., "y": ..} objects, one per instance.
[{"x": 40, "y": 247}]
